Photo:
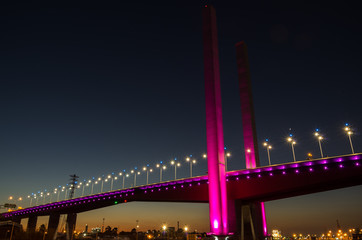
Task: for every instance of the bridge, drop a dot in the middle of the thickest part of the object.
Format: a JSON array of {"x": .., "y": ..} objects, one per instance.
[
  {"x": 248, "y": 185},
  {"x": 236, "y": 198}
]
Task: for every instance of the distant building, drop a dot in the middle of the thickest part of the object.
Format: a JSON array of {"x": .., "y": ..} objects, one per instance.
[
  {"x": 96, "y": 230},
  {"x": 276, "y": 234}
]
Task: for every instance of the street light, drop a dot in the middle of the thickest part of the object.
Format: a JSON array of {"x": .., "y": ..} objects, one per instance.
[
  {"x": 349, "y": 132},
  {"x": 31, "y": 199},
  {"x": 268, "y": 147},
  {"x": 96, "y": 182},
  {"x": 227, "y": 155},
  {"x": 292, "y": 143},
  {"x": 114, "y": 178},
  {"x": 135, "y": 176},
  {"x": 161, "y": 167},
  {"x": 147, "y": 170},
  {"x": 191, "y": 162},
  {"x": 320, "y": 138},
  {"x": 101, "y": 179},
  {"x": 123, "y": 176},
  {"x": 176, "y": 164}
]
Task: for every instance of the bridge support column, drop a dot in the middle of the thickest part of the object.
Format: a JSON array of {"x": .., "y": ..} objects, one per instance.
[
  {"x": 16, "y": 220},
  {"x": 53, "y": 225},
  {"x": 246, "y": 220},
  {"x": 214, "y": 129},
  {"x": 257, "y": 210},
  {"x": 30, "y": 229},
  {"x": 71, "y": 220}
]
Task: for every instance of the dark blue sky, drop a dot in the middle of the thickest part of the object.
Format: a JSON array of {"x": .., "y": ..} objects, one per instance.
[{"x": 94, "y": 88}]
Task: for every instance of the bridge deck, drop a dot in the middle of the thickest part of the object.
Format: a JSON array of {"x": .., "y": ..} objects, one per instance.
[{"x": 259, "y": 184}]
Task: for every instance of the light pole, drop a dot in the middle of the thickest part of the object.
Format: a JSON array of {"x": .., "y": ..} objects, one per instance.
[
  {"x": 268, "y": 147},
  {"x": 87, "y": 184},
  {"x": 123, "y": 176},
  {"x": 292, "y": 143},
  {"x": 96, "y": 182},
  {"x": 93, "y": 182},
  {"x": 99, "y": 179},
  {"x": 135, "y": 176},
  {"x": 176, "y": 164},
  {"x": 147, "y": 170},
  {"x": 31, "y": 199},
  {"x": 161, "y": 167},
  {"x": 37, "y": 198},
  {"x": 114, "y": 178},
  {"x": 227, "y": 155},
  {"x": 191, "y": 162},
  {"x": 319, "y": 137},
  {"x": 349, "y": 132}
]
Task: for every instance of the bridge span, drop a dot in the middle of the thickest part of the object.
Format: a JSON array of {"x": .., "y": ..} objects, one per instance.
[{"x": 243, "y": 186}]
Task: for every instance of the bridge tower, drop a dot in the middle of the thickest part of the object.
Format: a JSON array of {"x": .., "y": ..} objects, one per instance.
[
  {"x": 244, "y": 219},
  {"x": 252, "y": 214},
  {"x": 218, "y": 209}
]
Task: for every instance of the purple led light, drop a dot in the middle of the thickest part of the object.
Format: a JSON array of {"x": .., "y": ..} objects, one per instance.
[
  {"x": 310, "y": 169},
  {"x": 271, "y": 174},
  {"x": 341, "y": 166},
  {"x": 297, "y": 171},
  {"x": 325, "y": 168},
  {"x": 259, "y": 175},
  {"x": 283, "y": 172},
  {"x": 357, "y": 164},
  {"x": 247, "y": 177}
]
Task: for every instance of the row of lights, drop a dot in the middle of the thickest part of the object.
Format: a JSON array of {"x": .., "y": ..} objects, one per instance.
[
  {"x": 111, "y": 178},
  {"x": 125, "y": 193},
  {"x": 319, "y": 137},
  {"x": 174, "y": 163}
]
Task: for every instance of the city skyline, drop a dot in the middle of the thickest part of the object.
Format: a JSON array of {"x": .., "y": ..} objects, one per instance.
[{"x": 78, "y": 96}]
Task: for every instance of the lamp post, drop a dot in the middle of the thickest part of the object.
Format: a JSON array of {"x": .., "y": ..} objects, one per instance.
[
  {"x": 37, "y": 198},
  {"x": 93, "y": 182},
  {"x": 96, "y": 182},
  {"x": 135, "y": 175},
  {"x": 31, "y": 199},
  {"x": 191, "y": 162},
  {"x": 292, "y": 143},
  {"x": 87, "y": 184},
  {"x": 101, "y": 179},
  {"x": 114, "y": 178},
  {"x": 268, "y": 147},
  {"x": 160, "y": 166},
  {"x": 123, "y": 176},
  {"x": 227, "y": 155},
  {"x": 147, "y": 170},
  {"x": 349, "y": 132},
  {"x": 176, "y": 164},
  {"x": 319, "y": 137}
]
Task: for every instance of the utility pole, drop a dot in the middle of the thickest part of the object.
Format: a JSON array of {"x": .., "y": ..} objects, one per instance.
[{"x": 73, "y": 182}]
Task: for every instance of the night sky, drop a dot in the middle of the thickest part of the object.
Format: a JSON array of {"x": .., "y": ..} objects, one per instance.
[{"x": 93, "y": 88}]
